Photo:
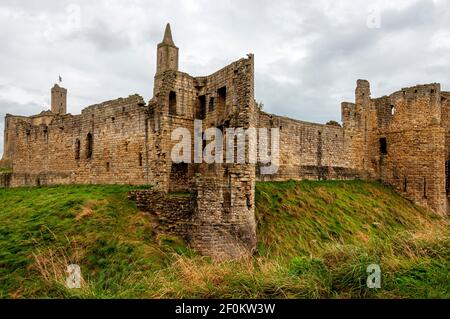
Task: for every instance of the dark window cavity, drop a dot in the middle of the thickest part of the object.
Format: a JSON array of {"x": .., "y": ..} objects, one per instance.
[
  {"x": 77, "y": 150},
  {"x": 424, "y": 187},
  {"x": 211, "y": 104},
  {"x": 383, "y": 146},
  {"x": 172, "y": 103},
  {"x": 89, "y": 146},
  {"x": 222, "y": 97},
  {"x": 201, "y": 107}
]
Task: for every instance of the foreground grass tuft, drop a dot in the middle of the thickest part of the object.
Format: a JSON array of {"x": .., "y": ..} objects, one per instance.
[{"x": 315, "y": 240}]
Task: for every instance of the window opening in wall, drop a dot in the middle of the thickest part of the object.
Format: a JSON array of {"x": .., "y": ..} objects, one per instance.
[
  {"x": 46, "y": 133},
  {"x": 140, "y": 159},
  {"x": 211, "y": 104},
  {"x": 201, "y": 113},
  {"x": 113, "y": 119},
  {"x": 107, "y": 166},
  {"x": 77, "y": 149},
  {"x": 424, "y": 187},
  {"x": 392, "y": 110},
  {"x": 222, "y": 97},
  {"x": 172, "y": 103},
  {"x": 383, "y": 146},
  {"x": 89, "y": 146}
]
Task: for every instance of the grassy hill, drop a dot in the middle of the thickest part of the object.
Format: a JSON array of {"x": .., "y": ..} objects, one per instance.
[{"x": 316, "y": 240}]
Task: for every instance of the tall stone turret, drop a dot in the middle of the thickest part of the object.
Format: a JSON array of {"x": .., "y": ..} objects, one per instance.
[
  {"x": 167, "y": 55},
  {"x": 59, "y": 100}
]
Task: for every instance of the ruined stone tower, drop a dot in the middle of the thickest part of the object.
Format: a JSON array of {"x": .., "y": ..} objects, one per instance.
[
  {"x": 59, "y": 100},
  {"x": 220, "y": 220}
]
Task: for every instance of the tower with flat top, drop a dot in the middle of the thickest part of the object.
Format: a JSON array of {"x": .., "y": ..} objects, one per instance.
[{"x": 59, "y": 100}]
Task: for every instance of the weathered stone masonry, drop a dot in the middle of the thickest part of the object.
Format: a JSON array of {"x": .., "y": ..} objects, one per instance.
[
  {"x": 103, "y": 145},
  {"x": 402, "y": 139}
]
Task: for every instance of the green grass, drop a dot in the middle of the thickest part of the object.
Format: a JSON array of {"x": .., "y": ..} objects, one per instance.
[
  {"x": 315, "y": 240},
  {"x": 336, "y": 229},
  {"x": 5, "y": 170}
]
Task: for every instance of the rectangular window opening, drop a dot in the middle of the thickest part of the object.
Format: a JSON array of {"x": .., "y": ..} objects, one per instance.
[
  {"x": 89, "y": 146},
  {"x": 222, "y": 98},
  {"x": 424, "y": 187},
  {"x": 140, "y": 159},
  {"x": 383, "y": 146},
  {"x": 201, "y": 112},
  {"x": 77, "y": 150},
  {"x": 172, "y": 103},
  {"x": 211, "y": 104}
]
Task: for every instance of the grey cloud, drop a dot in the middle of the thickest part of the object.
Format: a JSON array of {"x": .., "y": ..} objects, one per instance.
[
  {"x": 309, "y": 54},
  {"x": 100, "y": 35},
  {"x": 419, "y": 14}
]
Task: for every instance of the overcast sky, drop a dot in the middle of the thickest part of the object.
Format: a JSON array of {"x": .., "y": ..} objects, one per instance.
[{"x": 308, "y": 54}]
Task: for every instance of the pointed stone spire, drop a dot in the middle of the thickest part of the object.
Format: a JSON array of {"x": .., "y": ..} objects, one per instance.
[
  {"x": 168, "y": 36},
  {"x": 167, "y": 55}
]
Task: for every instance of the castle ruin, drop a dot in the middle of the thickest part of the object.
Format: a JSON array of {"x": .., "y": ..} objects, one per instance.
[{"x": 402, "y": 139}]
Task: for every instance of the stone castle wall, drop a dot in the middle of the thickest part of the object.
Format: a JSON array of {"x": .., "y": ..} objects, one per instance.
[
  {"x": 221, "y": 220},
  {"x": 310, "y": 150},
  {"x": 224, "y": 194},
  {"x": 402, "y": 139},
  {"x": 172, "y": 213},
  {"x": 106, "y": 144}
]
